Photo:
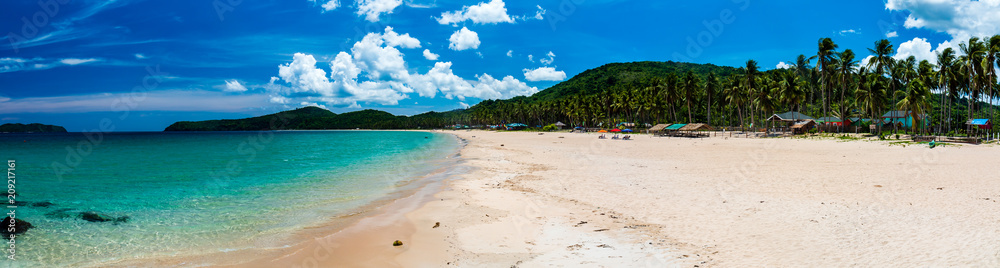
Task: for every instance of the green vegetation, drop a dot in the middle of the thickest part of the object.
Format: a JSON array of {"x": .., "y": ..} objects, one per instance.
[
  {"x": 30, "y": 128},
  {"x": 318, "y": 118},
  {"x": 671, "y": 92}
]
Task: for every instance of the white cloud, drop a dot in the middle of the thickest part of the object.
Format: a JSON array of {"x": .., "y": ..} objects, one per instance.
[
  {"x": 430, "y": 56},
  {"x": 482, "y": 13},
  {"x": 77, "y": 61},
  {"x": 783, "y": 65},
  {"x": 850, "y": 31},
  {"x": 539, "y": 15},
  {"x": 531, "y": 58},
  {"x": 394, "y": 39},
  {"x": 8, "y": 65},
  {"x": 919, "y": 48},
  {"x": 509, "y": 87},
  {"x": 864, "y": 62},
  {"x": 551, "y": 58},
  {"x": 959, "y": 18},
  {"x": 442, "y": 78},
  {"x": 463, "y": 105},
  {"x": 374, "y": 71},
  {"x": 234, "y": 86},
  {"x": 464, "y": 39},
  {"x": 329, "y": 5},
  {"x": 372, "y": 9},
  {"x": 304, "y": 77},
  {"x": 140, "y": 56},
  {"x": 377, "y": 53},
  {"x": 510, "y": 53},
  {"x": 891, "y": 34},
  {"x": 165, "y": 100},
  {"x": 544, "y": 74}
]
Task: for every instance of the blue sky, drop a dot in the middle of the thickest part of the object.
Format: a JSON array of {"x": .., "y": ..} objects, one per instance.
[{"x": 141, "y": 65}]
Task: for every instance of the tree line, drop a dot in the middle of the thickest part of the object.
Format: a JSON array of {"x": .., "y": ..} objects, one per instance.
[{"x": 829, "y": 83}]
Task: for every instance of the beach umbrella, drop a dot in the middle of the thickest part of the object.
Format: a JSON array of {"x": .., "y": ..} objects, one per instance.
[
  {"x": 616, "y": 130},
  {"x": 627, "y": 130},
  {"x": 602, "y": 131}
]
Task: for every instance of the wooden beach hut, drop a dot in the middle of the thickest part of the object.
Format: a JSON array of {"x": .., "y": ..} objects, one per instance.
[
  {"x": 802, "y": 127},
  {"x": 696, "y": 127},
  {"x": 980, "y": 124},
  {"x": 904, "y": 119},
  {"x": 789, "y": 117},
  {"x": 673, "y": 130}
]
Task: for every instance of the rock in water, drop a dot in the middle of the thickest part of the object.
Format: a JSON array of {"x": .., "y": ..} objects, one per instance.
[
  {"x": 95, "y": 217},
  {"x": 20, "y": 226},
  {"x": 42, "y": 204}
]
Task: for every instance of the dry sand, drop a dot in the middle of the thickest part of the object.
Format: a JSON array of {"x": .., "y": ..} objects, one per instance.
[{"x": 571, "y": 200}]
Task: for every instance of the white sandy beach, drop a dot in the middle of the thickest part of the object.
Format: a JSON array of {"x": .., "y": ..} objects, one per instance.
[{"x": 571, "y": 200}]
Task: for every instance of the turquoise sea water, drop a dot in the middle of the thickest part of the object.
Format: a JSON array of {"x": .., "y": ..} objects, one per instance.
[{"x": 185, "y": 193}]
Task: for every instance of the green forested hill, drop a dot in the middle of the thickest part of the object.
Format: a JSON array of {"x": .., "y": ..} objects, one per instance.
[
  {"x": 616, "y": 75},
  {"x": 33, "y": 128}
]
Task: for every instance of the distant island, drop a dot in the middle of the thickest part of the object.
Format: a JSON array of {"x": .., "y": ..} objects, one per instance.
[
  {"x": 30, "y": 128},
  {"x": 544, "y": 107},
  {"x": 315, "y": 118}
]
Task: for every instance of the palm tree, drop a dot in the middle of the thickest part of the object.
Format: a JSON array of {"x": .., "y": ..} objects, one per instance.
[
  {"x": 846, "y": 70},
  {"x": 872, "y": 96},
  {"x": 974, "y": 51},
  {"x": 915, "y": 99},
  {"x": 750, "y": 80},
  {"x": 690, "y": 87},
  {"x": 711, "y": 87},
  {"x": 824, "y": 58},
  {"x": 946, "y": 62},
  {"x": 881, "y": 60},
  {"x": 992, "y": 56},
  {"x": 734, "y": 95}
]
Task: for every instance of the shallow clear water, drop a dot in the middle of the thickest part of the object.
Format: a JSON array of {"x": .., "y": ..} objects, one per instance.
[{"x": 200, "y": 192}]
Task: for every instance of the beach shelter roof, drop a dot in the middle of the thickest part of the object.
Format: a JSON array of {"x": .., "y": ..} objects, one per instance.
[
  {"x": 829, "y": 119},
  {"x": 804, "y": 124},
  {"x": 675, "y": 127},
  {"x": 978, "y": 122},
  {"x": 659, "y": 127},
  {"x": 789, "y": 117},
  {"x": 560, "y": 124},
  {"x": 695, "y": 127},
  {"x": 900, "y": 114}
]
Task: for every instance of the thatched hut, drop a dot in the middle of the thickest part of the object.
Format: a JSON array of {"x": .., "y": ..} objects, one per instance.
[
  {"x": 657, "y": 128},
  {"x": 802, "y": 127},
  {"x": 697, "y": 127},
  {"x": 560, "y": 124}
]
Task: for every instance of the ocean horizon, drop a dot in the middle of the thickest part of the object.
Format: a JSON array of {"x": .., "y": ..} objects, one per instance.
[{"x": 141, "y": 195}]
